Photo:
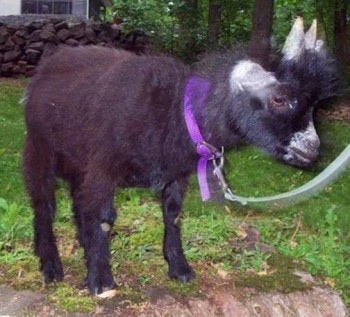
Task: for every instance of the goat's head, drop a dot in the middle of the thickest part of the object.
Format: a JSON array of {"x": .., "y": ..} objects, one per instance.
[{"x": 279, "y": 117}]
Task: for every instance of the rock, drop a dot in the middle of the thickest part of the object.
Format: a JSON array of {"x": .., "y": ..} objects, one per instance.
[
  {"x": 12, "y": 303},
  {"x": 39, "y": 46},
  {"x": 317, "y": 302},
  {"x": 29, "y": 38},
  {"x": 49, "y": 36},
  {"x": 20, "y": 68},
  {"x": 221, "y": 301},
  {"x": 77, "y": 30},
  {"x": 34, "y": 36},
  {"x": 63, "y": 34},
  {"x": 12, "y": 56},
  {"x": 4, "y": 34},
  {"x": 61, "y": 25},
  {"x": 5, "y": 69},
  {"x": 72, "y": 42},
  {"x": 90, "y": 35},
  {"x": 32, "y": 56},
  {"x": 18, "y": 40},
  {"x": 9, "y": 44},
  {"x": 34, "y": 26}
]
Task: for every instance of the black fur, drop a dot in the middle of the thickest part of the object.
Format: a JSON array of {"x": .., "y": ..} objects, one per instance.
[{"x": 101, "y": 119}]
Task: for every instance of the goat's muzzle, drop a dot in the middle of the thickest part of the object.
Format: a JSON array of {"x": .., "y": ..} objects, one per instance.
[{"x": 303, "y": 148}]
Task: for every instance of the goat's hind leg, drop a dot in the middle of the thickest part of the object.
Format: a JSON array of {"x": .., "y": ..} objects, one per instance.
[{"x": 39, "y": 175}]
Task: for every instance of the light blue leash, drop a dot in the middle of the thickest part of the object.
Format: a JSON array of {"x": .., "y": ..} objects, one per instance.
[{"x": 294, "y": 196}]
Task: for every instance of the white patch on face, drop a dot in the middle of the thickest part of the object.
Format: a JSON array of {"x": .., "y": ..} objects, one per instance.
[
  {"x": 250, "y": 76},
  {"x": 304, "y": 145}
]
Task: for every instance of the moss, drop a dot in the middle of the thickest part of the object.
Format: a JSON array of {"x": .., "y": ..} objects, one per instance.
[
  {"x": 190, "y": 289},
  {"x": 281, "y": 279},
  {"x": 70, "y": 299}
]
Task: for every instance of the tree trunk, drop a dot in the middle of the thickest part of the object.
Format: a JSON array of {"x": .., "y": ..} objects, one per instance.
[
  {"x": 260, "y": 44},
  {"x": 188, "y": 24},
  {"x": 214, "y": 23},
  {"x": 339, "y": 32}
]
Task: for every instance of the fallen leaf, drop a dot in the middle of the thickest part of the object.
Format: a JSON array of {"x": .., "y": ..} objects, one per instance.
[{"x": 107, "y": 294}]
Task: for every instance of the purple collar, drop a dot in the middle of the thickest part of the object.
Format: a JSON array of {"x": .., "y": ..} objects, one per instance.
[{"x": 196, "y": 92}]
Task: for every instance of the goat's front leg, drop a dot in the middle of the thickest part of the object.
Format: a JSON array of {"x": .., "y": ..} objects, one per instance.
[
  {"x": 172, "y": 199},
  {"x": 95, "y": 216}
]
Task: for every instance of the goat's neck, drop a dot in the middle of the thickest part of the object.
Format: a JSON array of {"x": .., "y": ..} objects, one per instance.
[{"x": 213, "y": 125}]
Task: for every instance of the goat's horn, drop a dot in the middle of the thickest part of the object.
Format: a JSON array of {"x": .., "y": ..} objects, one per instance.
[
  {"x": 311, "y": 36},
  {"x": 295, "y": 42}
]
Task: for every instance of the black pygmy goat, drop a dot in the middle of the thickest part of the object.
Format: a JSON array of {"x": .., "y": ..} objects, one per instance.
[{"x": 101, "y": 118}]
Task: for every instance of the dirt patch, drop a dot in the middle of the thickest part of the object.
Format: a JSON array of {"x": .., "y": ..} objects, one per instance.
[
  {"x": 215, "y": 296},
  {"x": 340, "y": 112},
  {"x": 12, "y": 302},
  {"x": 223, "y": 301}
]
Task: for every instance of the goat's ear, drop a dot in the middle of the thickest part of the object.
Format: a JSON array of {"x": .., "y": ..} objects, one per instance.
[{"x": 295, "y": 42}]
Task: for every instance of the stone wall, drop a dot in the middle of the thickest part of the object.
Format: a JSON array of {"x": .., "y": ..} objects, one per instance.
[{"x": 23, "y": 44}]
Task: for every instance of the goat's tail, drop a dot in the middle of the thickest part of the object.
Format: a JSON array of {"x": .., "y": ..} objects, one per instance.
[{"x": 38, "y": 169}]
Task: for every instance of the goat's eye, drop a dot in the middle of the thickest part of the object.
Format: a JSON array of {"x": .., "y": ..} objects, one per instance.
[{"x": 278, "y": 101}]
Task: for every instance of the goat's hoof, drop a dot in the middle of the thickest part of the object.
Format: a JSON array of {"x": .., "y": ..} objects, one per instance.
[
  {"x": 184, "y": 274},
  {"x": 52, "y": 271},
  {"x": 98, "y": 286},
  {"x": 102, "y": 289}
]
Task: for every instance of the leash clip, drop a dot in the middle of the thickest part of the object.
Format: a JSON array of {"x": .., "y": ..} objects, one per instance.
[{"x": 218, "y": 164}]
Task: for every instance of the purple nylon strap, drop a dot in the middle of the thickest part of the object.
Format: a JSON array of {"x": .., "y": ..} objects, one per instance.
[{"x": 196, "y": 92}]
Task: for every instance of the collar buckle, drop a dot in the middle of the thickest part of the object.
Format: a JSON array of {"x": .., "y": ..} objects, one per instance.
[{"x": 208, "y": 151}]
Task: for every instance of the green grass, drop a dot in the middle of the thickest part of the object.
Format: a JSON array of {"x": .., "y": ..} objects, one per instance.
[
  {"x": 313, "y": 233},
  {"x": 11, "y": 140},
  {"x": 15, "y": 223}
]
